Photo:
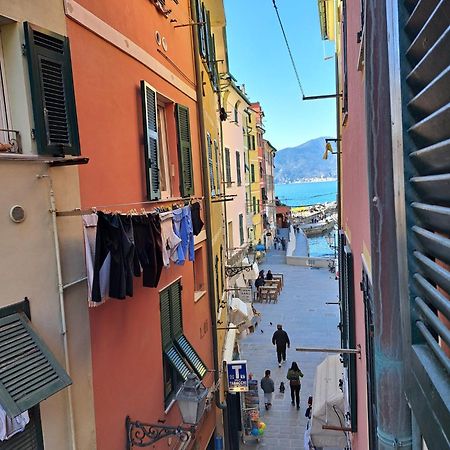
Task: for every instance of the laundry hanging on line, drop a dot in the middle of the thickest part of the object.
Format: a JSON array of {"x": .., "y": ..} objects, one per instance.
[{"x": 120, "y": 246}]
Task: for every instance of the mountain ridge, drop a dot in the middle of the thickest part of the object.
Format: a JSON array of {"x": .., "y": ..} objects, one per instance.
[{"x": 304, "y": 163}]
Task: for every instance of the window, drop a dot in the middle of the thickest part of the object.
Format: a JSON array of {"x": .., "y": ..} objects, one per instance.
[
  {"x": 238, "y": 169},
  {"x": 241, "y": 229},
  {"x": 50, "y": 68},
  {"x": 179, "y": 357},
  {"x": 199, "y": 268},
  {"x": 216, "y": 157},
  {"x": 228, "y": 167},
  {"x": 254, "y": 205},
  {"x": 252, "y": 172},
  {"x": 30, "y": 374},
  {"x": 230, "y": 235},
  {"x": 6, "y": 137},
  {"x": 164, "y": 163},
  {"x": 156, "y": 151},
  {"x": 236, "y": 113}
]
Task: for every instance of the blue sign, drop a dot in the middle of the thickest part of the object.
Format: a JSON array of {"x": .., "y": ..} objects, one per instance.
[{"x": 237, "y": 376}]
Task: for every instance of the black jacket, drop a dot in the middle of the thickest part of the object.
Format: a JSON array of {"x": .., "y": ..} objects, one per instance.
[{"x": 280, "y": 338}]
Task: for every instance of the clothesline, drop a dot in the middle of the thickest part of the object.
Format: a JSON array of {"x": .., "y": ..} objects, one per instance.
[{"x": 94, "y": 209}]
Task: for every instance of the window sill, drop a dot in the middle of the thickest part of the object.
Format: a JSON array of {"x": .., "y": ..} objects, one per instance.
[
  {"x": 170, "y": 404},
  {"x": 51, "y": 160},
  {"x": 198, "y": 295}
]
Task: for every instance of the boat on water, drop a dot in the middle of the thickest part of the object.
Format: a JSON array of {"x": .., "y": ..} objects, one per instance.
[{"x": 319, "y": 227}]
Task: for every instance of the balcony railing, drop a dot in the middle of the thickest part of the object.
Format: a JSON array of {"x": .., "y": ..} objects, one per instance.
[{"x": 10, "y": 141}]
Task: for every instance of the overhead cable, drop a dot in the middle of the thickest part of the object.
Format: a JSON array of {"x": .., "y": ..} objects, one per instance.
[{"x": 289, "y": 49}]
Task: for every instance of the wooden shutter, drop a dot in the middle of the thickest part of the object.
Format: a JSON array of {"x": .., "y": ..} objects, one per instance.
[
  {"x": 425, "y": 58},
  {"x": 213, "y": 65},
  {"x": 210, "y": 165},
  {"x": 191, "y": 356},
  {"x": 177, "y": 361},
  {"x": 29, "y": 371},
  {"x": 176, "y": 313},
  {"x": 201, "y": 28},
  {"x": 184, "y": 151},
  {"x": 238, "y": 169},
  {"x": 166, "y": 331},
  {"x": 228, "y": 166},
  {"x": 51, "y": 82},
  {"x": 349, "y": 333},
  {"x": 151, "y": 144},
  {"x": 207, "y": 18}
]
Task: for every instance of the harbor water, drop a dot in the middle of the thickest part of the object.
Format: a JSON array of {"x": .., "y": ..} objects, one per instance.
[{"x": 303, "y": 194}]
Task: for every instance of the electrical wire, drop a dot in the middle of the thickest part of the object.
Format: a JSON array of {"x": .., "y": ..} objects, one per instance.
[{"x": 289, "y": 49}]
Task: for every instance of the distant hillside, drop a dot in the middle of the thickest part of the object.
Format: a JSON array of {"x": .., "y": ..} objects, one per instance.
[{"x": 304, "y": 163}]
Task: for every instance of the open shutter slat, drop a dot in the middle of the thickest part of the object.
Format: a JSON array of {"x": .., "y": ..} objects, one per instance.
[
  {"x": 151, "y": 143},
  {"x": 177, "y": 362},
  {"x": 201, "y": 28},
  {"x": 210, "y": 165},
  {"x": 191, "y": 355},
  {"x": 29, "y": 372},
  {"x": 184, "y": 151}
]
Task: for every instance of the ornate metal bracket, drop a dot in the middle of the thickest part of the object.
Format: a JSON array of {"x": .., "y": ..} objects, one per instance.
[
  {"x": 141, "y": 434},
  {"x": 231, "y": 271}
]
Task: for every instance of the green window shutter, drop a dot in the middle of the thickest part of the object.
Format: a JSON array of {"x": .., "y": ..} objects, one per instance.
[
  {"x": 186, "y": 349},
  {"x": 216, "y": 155},
  {"x": 201, "y": 28},
  {"x": 213, "y": 64},
  {"x": 151, "y": 144},
  {"x": 254, "y": 205},
  {"x": 166, "y": 332},
  {"x": 207, "y": 19},
  {"x": 238, "y": 169},
  {"x": 176, "y": 313},
  {"x": 228, "y": 166},
  {"x": 210, "y": 165},
  {"x": 29, "y": 372},
  {"x": 184, "y": 151},
  {"x": 252, "y": 172},
  {"x": 51, "y": 82}
]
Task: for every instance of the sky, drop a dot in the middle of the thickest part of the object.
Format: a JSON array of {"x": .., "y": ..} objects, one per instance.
[{"x": 258, "y": 58}]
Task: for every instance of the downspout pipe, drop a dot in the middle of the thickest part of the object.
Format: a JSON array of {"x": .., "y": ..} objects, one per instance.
[
  {"x": 393, "y": 423},
  {"x": 62, "y": 309},
  {"x": 212, "y": 304}
]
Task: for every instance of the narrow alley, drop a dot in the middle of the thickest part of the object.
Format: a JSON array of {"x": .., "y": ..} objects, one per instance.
[{"x": 309, "y": 322}]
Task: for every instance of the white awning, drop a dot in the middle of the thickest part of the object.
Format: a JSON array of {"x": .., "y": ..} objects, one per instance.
[
  {"x": 239, "y": 311},
  {"x": 240, "y": 281},
  {"x": 328, "y": 404},
  {"x": 253, "y": 273},
  {"x": 228, "y": 346}
]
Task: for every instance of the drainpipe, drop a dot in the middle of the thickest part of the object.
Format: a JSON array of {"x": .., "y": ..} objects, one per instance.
[
  {"x": 62, "y": 310},
  {"x": 212, "y": 304},
  {"x": 338, "y": 144},
  {"x": 393, "y": 423}
]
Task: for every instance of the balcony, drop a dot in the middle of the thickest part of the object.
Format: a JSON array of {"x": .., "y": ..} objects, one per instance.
[{"x": 10, "y": 141}]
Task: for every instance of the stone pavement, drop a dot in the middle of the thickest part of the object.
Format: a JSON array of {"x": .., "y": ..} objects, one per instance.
[{"x": 309, "y": 322}]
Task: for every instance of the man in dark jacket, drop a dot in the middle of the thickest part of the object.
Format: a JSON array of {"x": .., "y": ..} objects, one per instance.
[{"x": 280, "y": 338}]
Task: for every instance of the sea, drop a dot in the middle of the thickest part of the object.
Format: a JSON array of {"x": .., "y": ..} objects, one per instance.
[{"x": 304, "y": 194}]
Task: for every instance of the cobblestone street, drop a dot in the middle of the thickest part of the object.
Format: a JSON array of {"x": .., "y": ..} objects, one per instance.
[{"x": 309, "y": 322}]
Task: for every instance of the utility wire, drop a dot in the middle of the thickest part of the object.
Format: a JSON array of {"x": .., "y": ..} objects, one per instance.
[{"x": 289, "y": 49}]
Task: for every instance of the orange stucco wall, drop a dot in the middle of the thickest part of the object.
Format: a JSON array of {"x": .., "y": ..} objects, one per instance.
[
  {"x": 126, "y": 335},
  {"x": 355, "y": 205}
]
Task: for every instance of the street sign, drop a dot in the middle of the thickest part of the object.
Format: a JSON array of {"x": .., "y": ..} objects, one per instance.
[{"x": 237, "y": 376}]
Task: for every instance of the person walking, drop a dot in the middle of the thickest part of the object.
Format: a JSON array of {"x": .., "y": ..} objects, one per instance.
[
  {"x": 268, "y": 387},
  {"x": 294, "y": 374},
  {"x": 281, "y": 339}
]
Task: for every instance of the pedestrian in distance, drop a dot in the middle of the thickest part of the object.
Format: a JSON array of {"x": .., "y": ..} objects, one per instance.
[
  {"x": 268, "y": 387},
  {"x": 283, "y": 243},
  {"x": 281, "y": 339},
  {"x": 269, "y": 275},
  {"x": 294, "y": 374}
]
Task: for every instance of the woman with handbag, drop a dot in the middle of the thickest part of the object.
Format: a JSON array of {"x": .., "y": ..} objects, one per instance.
[{"x": 293, "y": 375}]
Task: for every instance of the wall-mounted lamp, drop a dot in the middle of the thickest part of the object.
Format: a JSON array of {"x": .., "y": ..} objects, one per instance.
[
  {"x": 329, "y": 148},
  {"x": 191, "y": 399}
]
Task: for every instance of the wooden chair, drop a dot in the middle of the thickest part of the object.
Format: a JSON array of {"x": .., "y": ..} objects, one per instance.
[{"x": 279, "y": 276}]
